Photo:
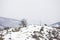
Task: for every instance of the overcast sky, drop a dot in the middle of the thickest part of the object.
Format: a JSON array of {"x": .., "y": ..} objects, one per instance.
[{"x": 35, "y": 11}]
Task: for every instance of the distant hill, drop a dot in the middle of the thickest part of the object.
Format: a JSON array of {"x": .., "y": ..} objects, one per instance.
[
  {"x": 57, "y": 24},
  {"x": 8, "y": 22}
]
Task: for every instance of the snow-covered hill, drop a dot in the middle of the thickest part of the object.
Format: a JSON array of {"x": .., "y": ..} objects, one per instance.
[
  {"x": 8, "y": 22},
  {"x": 32, "y": 32},
  {"x": 57, "y": 24}
]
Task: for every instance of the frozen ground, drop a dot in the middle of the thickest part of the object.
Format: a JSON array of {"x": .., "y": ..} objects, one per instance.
[{"x": 27, "y": 33}]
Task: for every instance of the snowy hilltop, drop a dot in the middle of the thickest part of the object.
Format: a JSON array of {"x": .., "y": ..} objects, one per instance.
[
  {"x": 12, "y": 29},
  {"x": 31, "y": 32}
]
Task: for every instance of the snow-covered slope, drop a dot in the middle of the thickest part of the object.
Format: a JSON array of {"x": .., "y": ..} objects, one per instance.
[
  {"x": 7, "y": 22},
  {"x": 26, "y": 33},
  {"x": 57, "y": 24},
  {"x": 23, "y": 34}
]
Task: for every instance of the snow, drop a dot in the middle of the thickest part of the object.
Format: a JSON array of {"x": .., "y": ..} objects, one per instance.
[
  {"x": 26, "y": 33},
  {"x": 8, "y": 22}
]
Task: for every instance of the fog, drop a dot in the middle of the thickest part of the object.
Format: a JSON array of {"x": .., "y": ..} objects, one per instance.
[{"x": 34, "y": 11}]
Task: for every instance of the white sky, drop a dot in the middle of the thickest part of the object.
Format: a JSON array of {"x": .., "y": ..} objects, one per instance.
[{"x": 46, "y": 11}]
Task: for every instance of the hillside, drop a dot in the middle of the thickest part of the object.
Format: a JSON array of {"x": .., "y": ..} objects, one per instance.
[
  {"x": 8, "y": 22},
  {"x": 32, "y": 32}
]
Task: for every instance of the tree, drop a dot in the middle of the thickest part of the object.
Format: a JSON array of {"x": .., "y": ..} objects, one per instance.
[
  {"x": 45, "y": 24},
  {"x": 23, "y": 22},
  {"x": 6, "y": 28}
]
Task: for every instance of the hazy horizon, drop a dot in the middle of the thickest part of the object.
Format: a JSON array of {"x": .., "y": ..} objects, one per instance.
[{"x": 34, "y": 11}]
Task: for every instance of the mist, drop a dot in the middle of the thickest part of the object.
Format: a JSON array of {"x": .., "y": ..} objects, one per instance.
[{"x": 34, "y": 11}]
